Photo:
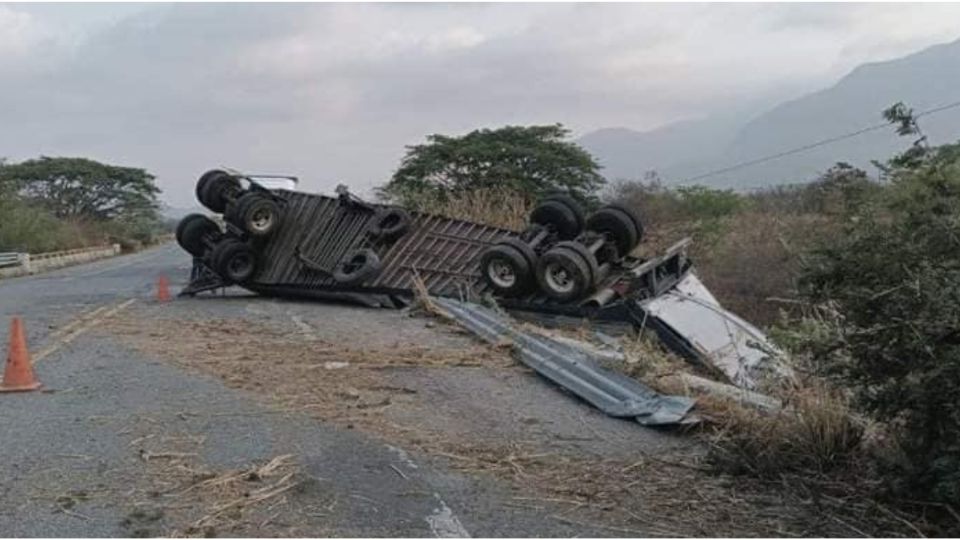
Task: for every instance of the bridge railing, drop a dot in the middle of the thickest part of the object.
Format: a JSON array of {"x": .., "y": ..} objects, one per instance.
[{"x": 15, "y": 264}]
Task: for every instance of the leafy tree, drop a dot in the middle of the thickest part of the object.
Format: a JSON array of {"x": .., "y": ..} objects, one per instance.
[
  {"x": 78, "y": 188},
  {"x": 530, "y": 160}
]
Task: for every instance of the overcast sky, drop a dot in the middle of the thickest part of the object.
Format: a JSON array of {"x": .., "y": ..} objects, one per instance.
[{"x": 333, "y": 92}]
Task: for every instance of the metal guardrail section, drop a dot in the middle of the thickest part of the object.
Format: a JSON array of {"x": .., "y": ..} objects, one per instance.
[
  {"x": 67, "y": 253},
  {"x": 613, "y": 393},
  {"x": 318, "y": 231},
  {"x": 9, "y": 259}
]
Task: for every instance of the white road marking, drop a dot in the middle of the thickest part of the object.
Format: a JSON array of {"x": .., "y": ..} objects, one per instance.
[
  {"x": 444, "y": 523},
  {"x": 78, "y": 320},
  {"x": 66, "y": 338},
  {"x": 403, "y": 455}
]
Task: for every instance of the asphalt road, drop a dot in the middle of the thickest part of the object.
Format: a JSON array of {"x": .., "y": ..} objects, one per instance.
[{"x": 71, "y": 457}]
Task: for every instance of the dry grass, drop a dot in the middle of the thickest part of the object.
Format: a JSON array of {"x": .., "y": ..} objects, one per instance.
[
  {"x": 499, "y": 207},
  {"x": 182, "y": 496},
  {"x": 816, "y": 432}
]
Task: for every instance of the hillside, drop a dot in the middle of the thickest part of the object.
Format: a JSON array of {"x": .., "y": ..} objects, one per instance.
[{"x": 923, "y": 80}]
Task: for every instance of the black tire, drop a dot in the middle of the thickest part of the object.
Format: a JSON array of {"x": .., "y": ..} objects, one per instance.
[
  {"x": 193, "y": 230},
  {"x": 574, "y": 206},
  {"x": 564, "y": 275},
  {"x": 589, "y": 258},
  {"x": 558, "y": 216},
  {"x": 204, "y": 180},
  {"x": 618, "y": 226},
  {"x": 357, "y": 266},
  {"x": 217, "y": 190},
  {"x": 507, "y": 268},
  {"x": 234, "y": 260},
  {"x": 255, "y": 213},
  {"x": 390, "y": 223},
  {"x": 634, "y": 214}
]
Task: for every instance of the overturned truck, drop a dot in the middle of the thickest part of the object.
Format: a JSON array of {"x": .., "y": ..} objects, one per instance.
[{"x": 283, "y": 242}]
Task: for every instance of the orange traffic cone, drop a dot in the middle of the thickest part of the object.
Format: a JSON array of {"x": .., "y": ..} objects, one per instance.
[
  {"x": 163, "y": 289},
  {"x": 18, "y": 375}
]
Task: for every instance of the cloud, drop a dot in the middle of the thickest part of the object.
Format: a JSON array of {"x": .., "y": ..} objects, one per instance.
[{"x": 333, "y": 92}]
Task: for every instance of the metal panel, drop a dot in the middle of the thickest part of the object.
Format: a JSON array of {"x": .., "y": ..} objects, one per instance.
[
  {"x": 574, "y": 369},
  {"x": 697, "y": 324}
]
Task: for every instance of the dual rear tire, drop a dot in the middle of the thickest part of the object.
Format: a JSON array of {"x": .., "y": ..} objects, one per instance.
[
  {"x": 621, "y": 224},
  {"x": 508, "y": 267},
  {"x": 195, "y": 232},
  {"x": 234, "y": 260},
  {"x": 567, "y": 272},
  {"x": 215, "y": 189},
  {"x": 560, "y": 213},
  {"x": 255, "y": 213}
]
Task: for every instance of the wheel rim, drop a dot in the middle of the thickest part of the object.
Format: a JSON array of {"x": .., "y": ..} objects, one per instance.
[
  {"x": 261, "y": 220},
  {"x": 501, "y": 274},
  {"x": 558, "y": 278}
]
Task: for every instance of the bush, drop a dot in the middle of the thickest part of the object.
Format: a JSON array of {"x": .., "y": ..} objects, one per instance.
[
  {"x": 893, "y": 277},
  {"x": 26, "y": 228}
]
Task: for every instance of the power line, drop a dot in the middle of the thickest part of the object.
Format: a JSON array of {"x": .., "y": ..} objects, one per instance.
[{"x": 810, "y": 146}]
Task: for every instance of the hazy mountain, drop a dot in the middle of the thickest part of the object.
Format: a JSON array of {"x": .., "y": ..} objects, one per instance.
[{"x": 924, "y": 80}]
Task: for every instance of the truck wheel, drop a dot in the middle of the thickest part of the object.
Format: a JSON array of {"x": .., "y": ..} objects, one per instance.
[
  {"x": 234, "y": 260},
  {"x": 204, "y": 180},
  {"x": 564, "y": 275},
  {"x": 217, "y": 190},
  {"x": 255, "y": 213},
  {"x": 557, "y": 215},
  {"x": 391, "y": 223},
  {"x": 357, "y": 266},
  {"x": 508, "y": 266},
  {"x": 192, "y": 230},
  {"x": 618, "y": 226},
  {"x": 574, "y": 206},
  {"x": 634, "y": 214}
]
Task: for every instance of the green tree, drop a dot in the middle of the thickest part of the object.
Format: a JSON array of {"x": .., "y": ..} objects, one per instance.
[
  {"x": 78, "y": 188},
  {"x": 530, "y": 160}
]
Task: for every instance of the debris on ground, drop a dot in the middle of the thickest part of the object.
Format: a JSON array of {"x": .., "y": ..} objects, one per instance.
[
  {"x": 190, "y": 498},
  {"x": 693, "y": 323}
]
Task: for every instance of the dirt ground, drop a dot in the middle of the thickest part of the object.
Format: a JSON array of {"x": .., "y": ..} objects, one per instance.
[{"x": 466, "y": 405}]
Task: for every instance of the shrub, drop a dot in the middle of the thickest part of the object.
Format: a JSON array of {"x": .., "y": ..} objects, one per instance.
[
  {"x": 29, "y": 229},
  {"x": 894, "y": 278}
]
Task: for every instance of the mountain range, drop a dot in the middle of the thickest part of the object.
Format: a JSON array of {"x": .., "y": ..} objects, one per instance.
[{"x": 681, "y": 152}]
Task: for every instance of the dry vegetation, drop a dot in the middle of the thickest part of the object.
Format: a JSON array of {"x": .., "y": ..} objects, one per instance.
[{"x": 498, "y": 207}]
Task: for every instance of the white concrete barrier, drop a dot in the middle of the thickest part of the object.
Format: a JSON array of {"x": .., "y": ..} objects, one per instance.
[{"x": 39, "y": 262}]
